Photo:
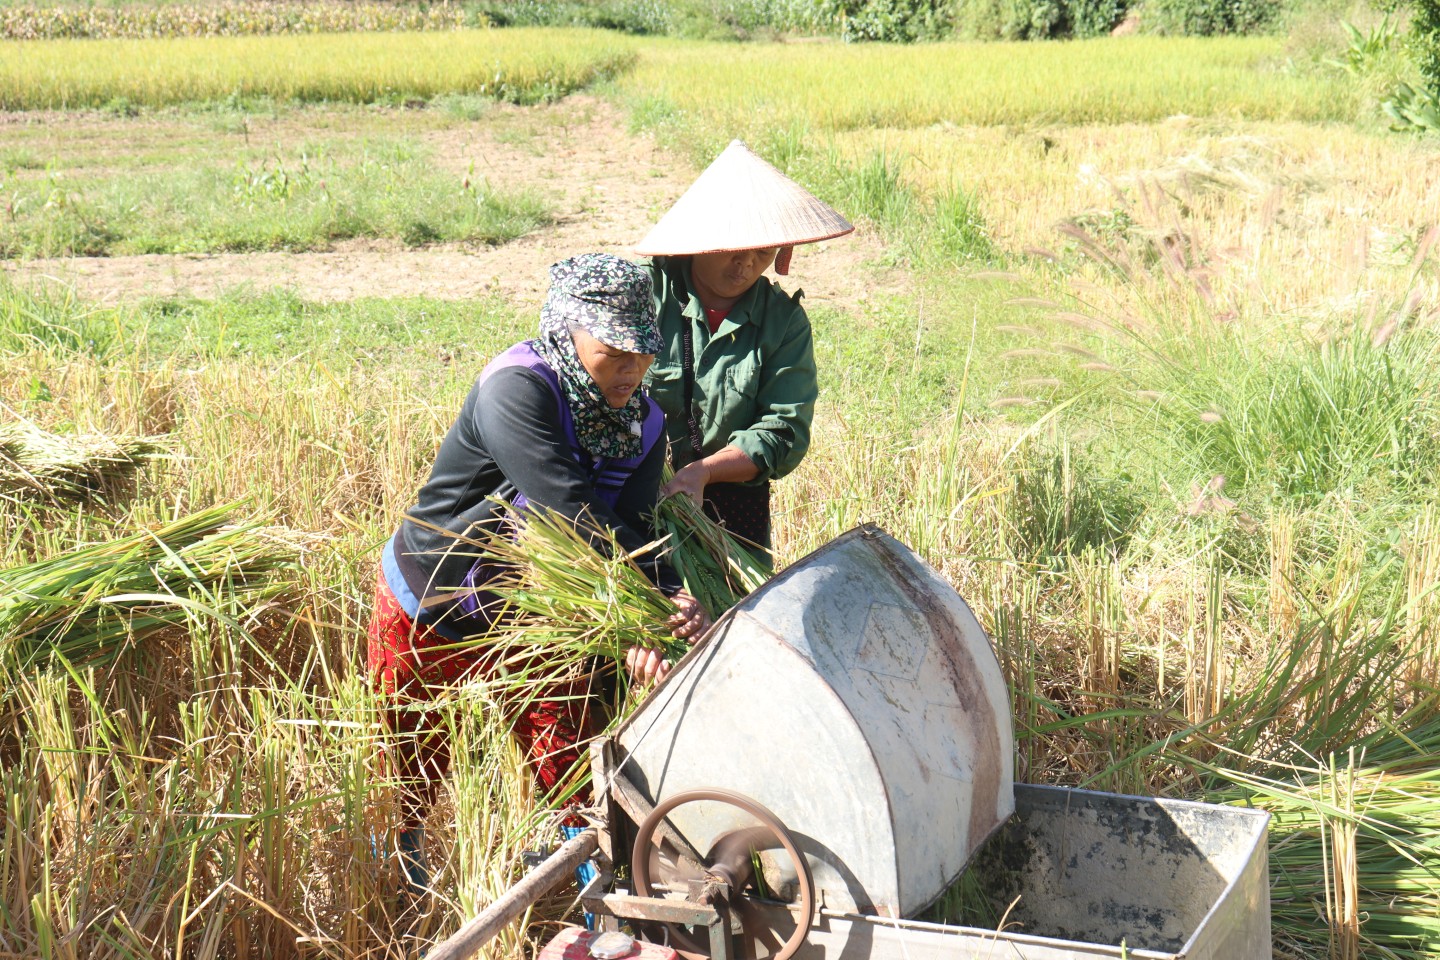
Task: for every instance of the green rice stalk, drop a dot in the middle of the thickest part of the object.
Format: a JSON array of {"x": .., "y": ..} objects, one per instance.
[
  {"x": 570, "y": 598},
  {"x": 574, "y": 604},
  {"x": 1354, "y": 847},
  {"x": 37, "y": 464},
  {"x": 715, "y": 566},
  {"x": 89, "y": 603}
]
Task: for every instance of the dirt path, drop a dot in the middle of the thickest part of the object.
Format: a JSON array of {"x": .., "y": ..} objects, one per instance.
[{"x": 606, "y": 186}]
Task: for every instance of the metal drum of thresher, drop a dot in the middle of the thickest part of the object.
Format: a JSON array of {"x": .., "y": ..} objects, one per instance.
[{"x": 856, "y": 696}]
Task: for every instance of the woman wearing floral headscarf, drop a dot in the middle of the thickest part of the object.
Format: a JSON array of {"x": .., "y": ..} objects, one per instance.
[
  {"x": 556, "y": 422},
  {"x": 736, "y": 374}
]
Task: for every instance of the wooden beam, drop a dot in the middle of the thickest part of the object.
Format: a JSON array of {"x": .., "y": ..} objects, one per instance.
[{"x": 467, "y": 941}]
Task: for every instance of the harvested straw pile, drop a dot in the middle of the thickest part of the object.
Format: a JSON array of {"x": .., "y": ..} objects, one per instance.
[
  {"x": 38, "y": 465},
  {"x": 88, "y": 604},
  {"x": 1354, "y": 843}
]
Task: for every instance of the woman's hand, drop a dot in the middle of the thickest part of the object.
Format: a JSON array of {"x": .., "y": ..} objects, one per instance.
[
  {"x": 687, "y": 622},
  {"x": 689, "y": 480},
  {"x": 645, "y": 665},
  {"x": 729, "y": 464},
  {"x": 690, "y": 619}
]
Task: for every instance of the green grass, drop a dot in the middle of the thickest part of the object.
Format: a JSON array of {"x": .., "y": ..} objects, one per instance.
[
  {"x": 1283, "y": 419},
  {"x": 55, "y": 319},
  {"x": 521, "y": 66},
  {"x": 1270, "y": 406},
  {"x": 290, "y": 200},
  {"x": 87, "y": 145},
  {"x": 275, "y": 326}
]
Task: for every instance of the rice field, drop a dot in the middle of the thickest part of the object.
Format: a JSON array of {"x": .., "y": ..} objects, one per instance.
[
  {"x": 521, "y": 66},
  {"x": 1143, "y": 79},
  {"x": 1159, "y": 398},
  {"x": 1138, "y": 79},
  {"x": 1268, "y": 194},
  {"x": 25, "y": 21}
]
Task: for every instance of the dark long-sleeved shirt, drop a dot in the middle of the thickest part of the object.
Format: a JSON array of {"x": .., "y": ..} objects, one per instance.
[{"x": 508, "y": 440}]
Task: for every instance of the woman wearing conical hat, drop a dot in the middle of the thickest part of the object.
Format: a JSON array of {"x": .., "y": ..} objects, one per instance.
[{"x": 736, "y": 374}]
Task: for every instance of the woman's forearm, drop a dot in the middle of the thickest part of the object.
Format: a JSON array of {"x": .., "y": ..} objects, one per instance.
[{"x": 728, "y": 465}]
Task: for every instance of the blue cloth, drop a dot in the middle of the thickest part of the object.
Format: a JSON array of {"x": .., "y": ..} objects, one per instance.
[
  {"x": 584, "y": 873},
  {"x": 412, "y": 859},
  {"x": 395, "y": 580}
]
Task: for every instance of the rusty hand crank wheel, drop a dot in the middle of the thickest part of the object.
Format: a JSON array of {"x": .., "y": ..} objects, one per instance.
[{"x": 640, "y": 856}]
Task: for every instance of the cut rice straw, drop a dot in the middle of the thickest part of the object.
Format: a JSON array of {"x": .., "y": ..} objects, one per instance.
[
  {"x": 569, "y": 604},
  {"x": 1355, "y": 841},
  {"x": 717, "y": 568},
  {"x": 89, "y": 603},
  {"x": 36, "y": 464}
]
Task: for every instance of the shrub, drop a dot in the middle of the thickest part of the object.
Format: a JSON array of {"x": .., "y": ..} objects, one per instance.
[
  {"x": 807, "y": 16},
  {"x": 641, "y": 17},
  {"x": 1425, "y": 43},
  {"x": 1038, "y": 19},
  {"x": 896, "y": 21},
  {"x": 1095, "y": 18},
  {"x": 1412, "y": 110},
  {"x": 1206, "y": 18}
]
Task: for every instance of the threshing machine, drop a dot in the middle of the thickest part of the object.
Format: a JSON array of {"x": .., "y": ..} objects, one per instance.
[{"x": 824, "y": 765}]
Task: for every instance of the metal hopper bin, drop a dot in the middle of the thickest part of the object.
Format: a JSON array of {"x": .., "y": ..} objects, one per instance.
[{"x": 827, "y": 762}]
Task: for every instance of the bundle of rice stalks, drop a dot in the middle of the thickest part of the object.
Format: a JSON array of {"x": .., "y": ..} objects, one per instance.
[
  {"x": 571, "y": 605},
  {"x": 571, "y": 601},
  {"x": 89, "y": 603},
  {"x": 1354, "y": 848},
  {"x": 716, "y": 567},
  {"x": 38, "y": 465}
]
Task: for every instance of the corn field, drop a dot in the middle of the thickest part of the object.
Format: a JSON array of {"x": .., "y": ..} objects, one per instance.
[{"x": 227, "y": 19}]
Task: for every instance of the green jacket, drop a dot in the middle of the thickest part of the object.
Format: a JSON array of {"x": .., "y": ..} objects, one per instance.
[{"x": 754, "y": 379}]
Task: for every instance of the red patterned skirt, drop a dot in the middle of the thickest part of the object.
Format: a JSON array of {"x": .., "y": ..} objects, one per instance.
[{"x": 410, "y": 663}]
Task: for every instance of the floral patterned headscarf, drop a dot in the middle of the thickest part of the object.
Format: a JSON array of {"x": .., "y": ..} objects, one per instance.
[{"x": 610, "y": 299}]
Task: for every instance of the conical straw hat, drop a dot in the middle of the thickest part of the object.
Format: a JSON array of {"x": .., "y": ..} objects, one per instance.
[{"x": 741, "y": 202}]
